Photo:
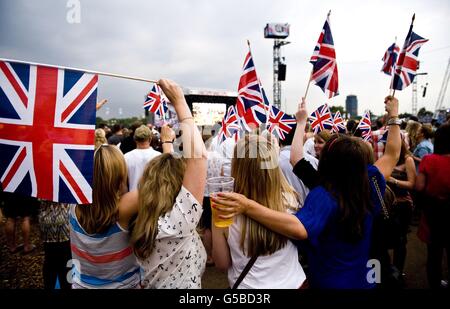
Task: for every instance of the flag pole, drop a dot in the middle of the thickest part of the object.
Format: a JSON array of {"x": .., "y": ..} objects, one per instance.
[
  {"x": 80, "y": 70},
  {"x": 412, "y": 23},
  {"x": 250, "y": 49}
]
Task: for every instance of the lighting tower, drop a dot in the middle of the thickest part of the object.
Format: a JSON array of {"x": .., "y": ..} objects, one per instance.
[{"x": 277, "y": 32}]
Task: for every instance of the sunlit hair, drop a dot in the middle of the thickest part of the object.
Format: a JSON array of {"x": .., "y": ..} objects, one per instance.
[
  {"x": 100, "y": 138},
  {"x": 343, "y": 173},
  {"x": 266, "y": 186},
  {"x": 412, "y": 128},
  {"x": 158, "y": 189},
  {"x": 110, "y": 175},
  {"x": 325, "y": 135}
]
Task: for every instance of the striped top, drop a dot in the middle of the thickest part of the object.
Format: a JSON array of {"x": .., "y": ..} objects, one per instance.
[{"x": 102, "y": 261}]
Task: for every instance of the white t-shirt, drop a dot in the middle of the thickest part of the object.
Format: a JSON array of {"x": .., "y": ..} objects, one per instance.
[
  {"x": 136, "y": 161},
  {"x": 308, "y": 147},
  {"x": 280, "y": 270},
  {"x": 179, "y": 257}
]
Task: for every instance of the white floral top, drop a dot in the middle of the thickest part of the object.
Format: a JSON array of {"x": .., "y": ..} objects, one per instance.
[{"x": 179, "y": 257}]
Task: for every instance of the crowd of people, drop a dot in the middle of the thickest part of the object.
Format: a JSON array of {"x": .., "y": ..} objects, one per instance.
[{"x": 309, "y": 211}]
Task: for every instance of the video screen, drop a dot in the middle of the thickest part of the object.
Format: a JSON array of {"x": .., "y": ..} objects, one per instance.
[{"x": 208, "y": 113}]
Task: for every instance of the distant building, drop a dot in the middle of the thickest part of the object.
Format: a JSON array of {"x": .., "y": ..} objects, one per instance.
[{"x": 351, "y": 105}]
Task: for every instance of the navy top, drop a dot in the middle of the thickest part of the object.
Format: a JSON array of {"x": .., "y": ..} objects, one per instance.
[{"x": 334, "y": 262}]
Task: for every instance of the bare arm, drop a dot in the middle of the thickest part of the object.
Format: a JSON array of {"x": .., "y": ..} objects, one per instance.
[
  {"x": 128, "y": 207},
  {"x": 193, "y": 148},
  {"x": 389, "y": 160},
  {"x": 298, "y": 140},
  {"x": 408, "y": 184},
  {"x": 280, "y": 222},
  {"x": 220, "y": 249}
]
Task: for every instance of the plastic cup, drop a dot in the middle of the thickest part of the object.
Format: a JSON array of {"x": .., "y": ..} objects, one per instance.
[{"x": 215, "y": 185}]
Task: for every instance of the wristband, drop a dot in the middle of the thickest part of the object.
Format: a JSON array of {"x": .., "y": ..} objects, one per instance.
[
  {"x": 394, "y": 121},
  {"x": 168, "y": 142}
]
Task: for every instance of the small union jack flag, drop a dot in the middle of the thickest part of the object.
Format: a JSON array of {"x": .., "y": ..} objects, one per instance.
[
  {"x": 338, "y": 123},
  {"x": 321, "y": 119},
  {"x": 405, "y": 70},
  {"x": 230, "y": 124},
  {"x": 250, "y": 102},
  {"x": 280, "y": 123},
  {"x": 365, "y": 126},
  {"x": 155, "y": 102},
  {"x": 390, "y": 59},
  {"x": 323, "y": 59},
  {"x": 47, "y": 123}
]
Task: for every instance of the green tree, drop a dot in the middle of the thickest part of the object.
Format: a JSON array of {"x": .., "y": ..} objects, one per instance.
[{"x": 334, "y": 109}]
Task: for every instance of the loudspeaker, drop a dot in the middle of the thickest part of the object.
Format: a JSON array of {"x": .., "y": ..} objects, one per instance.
[{"x": 281, "y": 71}]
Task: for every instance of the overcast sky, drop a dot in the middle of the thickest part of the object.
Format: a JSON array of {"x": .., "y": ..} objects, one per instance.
[{"x": 202, "y": 44}]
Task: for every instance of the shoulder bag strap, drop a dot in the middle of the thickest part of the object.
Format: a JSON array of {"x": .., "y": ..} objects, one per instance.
[
  {"x": 377, "y": 188},
  {"x": 245, "y": 271}
]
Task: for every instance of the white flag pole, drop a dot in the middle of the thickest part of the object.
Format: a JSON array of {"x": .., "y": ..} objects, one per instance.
[{"x": 81, "y": 70}]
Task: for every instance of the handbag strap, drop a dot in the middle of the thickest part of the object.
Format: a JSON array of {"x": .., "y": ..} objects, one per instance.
[
  {"x": 380, "y": 197},
  {"x": 245, "y": 271}
]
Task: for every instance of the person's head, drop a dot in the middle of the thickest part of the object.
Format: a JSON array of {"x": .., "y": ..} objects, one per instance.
[
  {"x": 404, "y": 152},
  {"x": 343, "y": 173},
  {"x": 425, "y": 132},
  {"x": 257, "y": 176},
  {"x": 100, "y": 138},
  {"x": 158, "y": 188},
  {"x": 110, "y": 176},
  {"x": 319, "y": 141},
  {"x": 412, "y": 128},
  {"x": 117, "y": 128},
  {"x": 442, "y": 140},
  {"x": 142, "y": 135},
  {"x": 351, "y": 126}
]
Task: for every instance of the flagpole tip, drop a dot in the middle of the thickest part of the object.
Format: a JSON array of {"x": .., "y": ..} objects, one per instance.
[
  {"x": 329, "y": 13},
  {"x": 248, "y": 43},
  {"x": 414, "y": 17}
]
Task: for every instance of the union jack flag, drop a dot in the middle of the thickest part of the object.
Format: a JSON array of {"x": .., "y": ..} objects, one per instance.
[
  {"x": 47, "y": 118},
  {"x": 230, "y": 124},
  {"x": 321, "y": 119},
  {"x": 323, "y": 59},
  {"x": 407, "y": 63},
  {"x": 390, "y": 58},
  {"x": 155, "y": 102},
  {"x": 280, "y": 123},
  {"x": 250, "y": 102},
  {"x": 365, "y": 126},
  {"x": 338, "y": 123}
]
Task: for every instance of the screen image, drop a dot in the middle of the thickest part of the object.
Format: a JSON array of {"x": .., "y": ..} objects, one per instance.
[{"x": 208, "y": 113}]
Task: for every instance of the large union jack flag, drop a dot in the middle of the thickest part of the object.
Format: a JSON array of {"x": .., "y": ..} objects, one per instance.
[
  {"x": 405, "y": 70},
  {"x": 155, "y": 102},
  {"x": 250, "y": 102},
  {"x": 47, "y": 122},
  {"x": 323, "y": 59},
  {"x": 230, "y": 124},
  {"x": 390, "y": 59},
  {"x": 321, "y": 119},
  {"x": 280, "y": 123},
  {"x": 338, "y": 123},
  {"x": 365, "y": 126}
]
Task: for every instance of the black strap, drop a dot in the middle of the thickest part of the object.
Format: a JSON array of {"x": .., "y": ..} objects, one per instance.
[{"x": 245, "y": 271}]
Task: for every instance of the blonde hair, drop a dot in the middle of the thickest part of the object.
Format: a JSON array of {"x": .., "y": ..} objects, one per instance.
[
  {"x": 110, "y": 175},
  {"x": 100, "y": 138},
  {"x": 158, "y": 188},
  {"x": 412, "y": 128},
  {"x": 267, "y": 186}
]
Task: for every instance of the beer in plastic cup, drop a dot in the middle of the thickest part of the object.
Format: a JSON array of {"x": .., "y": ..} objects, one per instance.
[{"x": 215, "y": 185}]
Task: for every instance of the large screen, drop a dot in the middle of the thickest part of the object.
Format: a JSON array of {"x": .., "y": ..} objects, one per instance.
[{"x": 208, "y": 113}]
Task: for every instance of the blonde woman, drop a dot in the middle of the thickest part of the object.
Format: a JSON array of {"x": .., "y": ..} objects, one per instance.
[
  {"x": 99, "y": 232},
  {"x": 100, "y": 138},
  {"x": 164, "y": 235},
  {"x": 258, "y": 178}
]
